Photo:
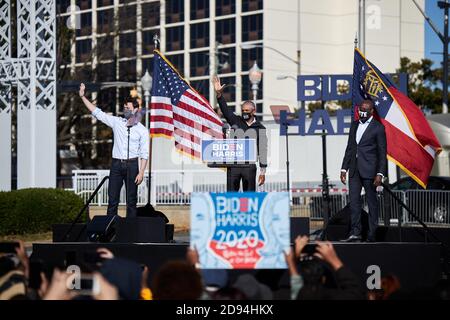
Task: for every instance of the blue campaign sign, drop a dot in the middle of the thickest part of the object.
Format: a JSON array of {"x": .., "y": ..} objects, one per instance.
[
  {"x": 320, "y": 121},
  {"x": 326, "y": 87},
  {"x": 229, "y": 151},
  {"x": 235, "y": 230}
]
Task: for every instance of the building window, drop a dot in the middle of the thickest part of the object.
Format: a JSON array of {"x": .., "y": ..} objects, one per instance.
[
  {"x": 83, "y": 48},
  {"x": 85, "y": 24},
  {"x": 227, "y": 60},
  {"x": 107, "y": 100},
  {"x": 174, "y": 11},
  {"x": 127, "y": 17},
  {"x": 224, "y": 7},
  {"x": 252, "y": 27},
  {"x": 147, "y": 41},
  {"x": 106, "y": 72},
  {"x": 83, "y": 4},
  {"x": 199, "y": 64},
  {"x": 175, "y": 38},
  {"x": 200, "y": 35},
  {"x": 104, "y": 3},
  {"x": 251, "y": 5},
  {"x": 106, "y": 48},
  {"x": 127, "y": 45},
  {"x": 177, "y": 60},
  {"x": 202, "y": 87},
  {"x": 127, "y": 70},
  {"x": 150, "y": 14},
  {"x": 105, "y": 21},
  {"x": 147, "y": 64},
  {"x": 199, "y": 9},
  {"x": 250, "y": 56},
  {"x": 226, "y": 31}
]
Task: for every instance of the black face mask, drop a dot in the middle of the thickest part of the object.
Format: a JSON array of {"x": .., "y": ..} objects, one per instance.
[{"x": 246, "y": 116}]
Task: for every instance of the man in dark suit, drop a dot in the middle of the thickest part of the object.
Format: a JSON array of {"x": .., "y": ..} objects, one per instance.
[
  {"x": 244, "y": 126},
  {"x": 365, "y": 159}
]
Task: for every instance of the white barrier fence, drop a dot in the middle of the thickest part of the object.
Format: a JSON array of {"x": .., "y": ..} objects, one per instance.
[{"x": 174, "y": 187}]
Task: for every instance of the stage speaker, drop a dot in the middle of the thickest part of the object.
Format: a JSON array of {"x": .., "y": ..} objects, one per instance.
[
  {"x": 170, "y": 229},
  {"x": 78, "y": 233},
  {"x": 339, "y": 225},
  {"x": 299, "y": 227},
  {"x": 141, "y": 230},
  {"x": 102, "y": 228}
]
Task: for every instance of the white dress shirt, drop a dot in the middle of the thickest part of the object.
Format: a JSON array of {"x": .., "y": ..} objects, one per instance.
[
  {"x": 139, "y": 136},
  {"x": 362, "y": 128}
]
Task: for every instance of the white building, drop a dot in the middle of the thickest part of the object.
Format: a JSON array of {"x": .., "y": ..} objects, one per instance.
[{"x": 192, "y": 31}]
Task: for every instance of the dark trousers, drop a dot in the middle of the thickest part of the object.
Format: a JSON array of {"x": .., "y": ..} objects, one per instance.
[
  {"x": 356, "y": 184},
  {"x": 117, "y": 177},
  {"x": 246, "y": 174}
]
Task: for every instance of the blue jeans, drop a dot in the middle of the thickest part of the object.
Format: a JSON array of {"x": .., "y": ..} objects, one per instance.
[{"x": 117, "y": 176}]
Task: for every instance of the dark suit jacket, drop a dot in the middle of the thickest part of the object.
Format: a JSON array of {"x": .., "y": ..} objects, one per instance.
[
  {"x": 371, "y": 151},
  {"x": 241, "y": 130}
]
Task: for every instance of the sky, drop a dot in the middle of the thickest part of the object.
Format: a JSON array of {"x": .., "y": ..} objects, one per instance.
[{"x": 432, "y": 41}]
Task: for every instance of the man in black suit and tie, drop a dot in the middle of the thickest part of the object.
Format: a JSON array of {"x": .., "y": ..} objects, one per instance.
[{"x": 365, "y": 159}]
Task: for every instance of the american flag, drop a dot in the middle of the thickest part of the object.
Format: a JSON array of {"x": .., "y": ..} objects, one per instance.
[
  {"x": 178, "y": 111},
  {"x": 411, "y": 143}
]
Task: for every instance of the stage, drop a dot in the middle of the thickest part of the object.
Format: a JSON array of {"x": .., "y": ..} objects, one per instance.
[{"x": 415, "y": 264}]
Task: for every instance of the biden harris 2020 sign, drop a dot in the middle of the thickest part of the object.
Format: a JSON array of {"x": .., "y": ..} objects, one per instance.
[{"x": 240, "y": 230}]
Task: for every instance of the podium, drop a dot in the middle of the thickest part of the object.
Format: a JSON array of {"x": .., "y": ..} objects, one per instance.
[{"x": 225, "y": 153}]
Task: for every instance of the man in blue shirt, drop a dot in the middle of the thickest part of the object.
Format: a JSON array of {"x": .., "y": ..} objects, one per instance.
[{"x": 130, "y": 152}]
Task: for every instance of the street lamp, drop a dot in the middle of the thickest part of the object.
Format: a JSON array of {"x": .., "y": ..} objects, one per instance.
[
  {"x": 255, "y": 75},
  {"x": 249, "y": 46},
  {"x": 146, "y": 81}
]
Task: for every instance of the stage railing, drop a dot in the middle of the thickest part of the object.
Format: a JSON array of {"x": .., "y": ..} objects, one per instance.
[
  {"x": 174, "y": 187},
  {"x": 169, "y": 187}
]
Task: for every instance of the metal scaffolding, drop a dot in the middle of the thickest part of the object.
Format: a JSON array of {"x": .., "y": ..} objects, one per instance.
[{"x": 34, "y": 74}]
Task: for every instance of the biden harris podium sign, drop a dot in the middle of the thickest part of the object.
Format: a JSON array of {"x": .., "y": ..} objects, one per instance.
[
  {"x": 240, "y": 230},
  {"x": 229, "y": 151}
]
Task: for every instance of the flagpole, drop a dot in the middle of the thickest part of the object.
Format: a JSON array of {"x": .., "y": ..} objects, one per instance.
[{"x": 150, "y": 141}]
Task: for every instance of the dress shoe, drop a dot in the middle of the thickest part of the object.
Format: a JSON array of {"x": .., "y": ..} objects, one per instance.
[{"x": 352, "y": 238}]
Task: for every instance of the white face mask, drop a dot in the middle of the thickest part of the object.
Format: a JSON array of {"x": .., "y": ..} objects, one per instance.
[{"x": 364, "y": 115}]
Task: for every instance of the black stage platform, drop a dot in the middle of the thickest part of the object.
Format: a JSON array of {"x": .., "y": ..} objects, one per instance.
[{"x": 416, "y": 264}]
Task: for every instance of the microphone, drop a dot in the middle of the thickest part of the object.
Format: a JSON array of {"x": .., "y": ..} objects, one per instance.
[{"x": 226, "y": 130}]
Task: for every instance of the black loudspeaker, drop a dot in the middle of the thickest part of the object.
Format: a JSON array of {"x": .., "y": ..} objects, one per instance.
[
  {"x": 170, "y": 229},
  {"x": 78, "y": 233},
  {"x": 339, "y": 225},
  {"x": 299, "y": 227},
  {"x": 141, "y": 230},
  {"x": 102, "y": 228}
]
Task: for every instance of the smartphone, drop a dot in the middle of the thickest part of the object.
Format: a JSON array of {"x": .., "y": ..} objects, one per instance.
[
  {"x": 36, "y": 268},
  {"x": 9, "y": 247},
  {"x": 89, "y": 285},
  {"x": 310, "y": 249}
]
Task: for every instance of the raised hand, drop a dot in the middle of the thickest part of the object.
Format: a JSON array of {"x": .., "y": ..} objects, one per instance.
[
  {"x": 82, "y": 90},
  {"x": 218, "y": 87}
]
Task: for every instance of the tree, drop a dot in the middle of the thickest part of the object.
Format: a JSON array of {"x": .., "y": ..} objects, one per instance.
[{"x": 423, "y": 83}]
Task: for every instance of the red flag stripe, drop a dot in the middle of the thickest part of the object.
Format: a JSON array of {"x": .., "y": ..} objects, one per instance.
[
  {"x": 200, "y": 113},
  {"x": 410, "y": 155},
  {"x": 198, "y": 126},
  {"x": 416, "y": 118}
]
